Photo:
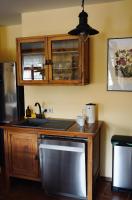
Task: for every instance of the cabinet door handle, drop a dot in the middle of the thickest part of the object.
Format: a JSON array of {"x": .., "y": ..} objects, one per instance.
[
  {"x": 36, "y": 157},
  {"x": 48, "y": 62}
]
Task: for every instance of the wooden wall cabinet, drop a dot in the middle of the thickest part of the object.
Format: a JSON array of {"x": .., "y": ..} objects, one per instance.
[
  {"x": 21, "y": 153},
  {"x": 54, "y": 59}
]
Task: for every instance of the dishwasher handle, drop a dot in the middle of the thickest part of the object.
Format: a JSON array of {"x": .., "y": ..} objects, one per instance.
[
  {"x": 62, "y": 148},
  {"x": 54, "y": 137}
]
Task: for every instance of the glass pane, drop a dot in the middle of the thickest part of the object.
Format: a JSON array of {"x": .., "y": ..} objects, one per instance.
[
  {"x": 33, "y": 61},
  {"x": 65, "y": 58}
]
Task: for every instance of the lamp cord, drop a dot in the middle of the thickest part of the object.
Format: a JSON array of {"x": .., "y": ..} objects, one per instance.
[{"x": 83, "y": 4}]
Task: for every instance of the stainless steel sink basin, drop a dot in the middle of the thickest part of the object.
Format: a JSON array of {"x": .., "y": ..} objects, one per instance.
[
  {"x": 49, "y": 123},
  {"x": 30, "y": 122}
]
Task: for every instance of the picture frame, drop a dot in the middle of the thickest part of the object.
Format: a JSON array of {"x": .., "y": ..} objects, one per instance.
[{"x": 119, "y": 64}]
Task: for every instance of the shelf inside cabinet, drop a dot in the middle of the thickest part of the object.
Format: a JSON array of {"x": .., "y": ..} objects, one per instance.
[
  {"x": 32, "y": 51},
  {"x": 64, "y": 50},
  {"x": 65, "y": 68},
  {"x": 33, "y": 68}
]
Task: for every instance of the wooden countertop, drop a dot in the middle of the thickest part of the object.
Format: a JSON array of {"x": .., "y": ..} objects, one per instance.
[{"x": 89, "y": 130}]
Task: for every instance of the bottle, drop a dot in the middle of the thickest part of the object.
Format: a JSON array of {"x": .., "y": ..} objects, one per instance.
[{"x": 28, "y": 112}]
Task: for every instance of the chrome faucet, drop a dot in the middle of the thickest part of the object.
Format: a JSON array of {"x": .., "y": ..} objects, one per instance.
[{"x": 40, "y": 115}]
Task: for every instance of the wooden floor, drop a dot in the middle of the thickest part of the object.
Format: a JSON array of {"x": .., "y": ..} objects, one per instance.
[{"x": 27, "y": 190}]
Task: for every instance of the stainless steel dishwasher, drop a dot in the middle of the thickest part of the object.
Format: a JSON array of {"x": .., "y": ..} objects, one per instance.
[{"x": 63, "y": 165}]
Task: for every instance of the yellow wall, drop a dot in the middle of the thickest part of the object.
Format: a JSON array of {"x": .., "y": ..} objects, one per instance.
[
  {"x": 8, "y": 36},
  {"x": 114, "y": 108}
]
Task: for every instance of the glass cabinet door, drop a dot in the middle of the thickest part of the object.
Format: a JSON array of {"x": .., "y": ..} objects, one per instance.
[
  {"x": 33, "y": 61},
  {"x": 53, "y": 59},
  {"x": 65, "y": 60}
]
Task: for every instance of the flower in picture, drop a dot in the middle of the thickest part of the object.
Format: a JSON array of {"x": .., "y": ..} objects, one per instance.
[{"x": 123, "y": 62}]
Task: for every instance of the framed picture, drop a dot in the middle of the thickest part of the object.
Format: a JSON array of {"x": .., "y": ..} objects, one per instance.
[{"x": 119, "y": 64}]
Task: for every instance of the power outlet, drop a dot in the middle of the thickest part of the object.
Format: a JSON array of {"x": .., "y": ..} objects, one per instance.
[{"x": 50, "y": 110}]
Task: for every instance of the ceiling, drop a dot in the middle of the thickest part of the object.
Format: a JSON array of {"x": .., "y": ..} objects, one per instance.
[{"x": 10, "y": 10}]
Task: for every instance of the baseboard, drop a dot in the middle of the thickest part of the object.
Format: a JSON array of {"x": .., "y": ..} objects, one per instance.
[{"x": 103, "y": 178}]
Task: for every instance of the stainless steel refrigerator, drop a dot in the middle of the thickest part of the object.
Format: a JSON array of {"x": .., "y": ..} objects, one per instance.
[
  {"x": 11, "y": 95},
  {"x": 11, "y": 100}
]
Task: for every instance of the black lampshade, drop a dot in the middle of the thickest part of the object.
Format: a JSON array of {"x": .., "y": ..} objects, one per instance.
[{"x": 83, "y": 28}]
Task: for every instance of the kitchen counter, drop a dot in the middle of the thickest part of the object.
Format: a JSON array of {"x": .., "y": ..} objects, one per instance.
[
  {"x": 89, "y": 130},
  {"x": 21, "y": 150}
]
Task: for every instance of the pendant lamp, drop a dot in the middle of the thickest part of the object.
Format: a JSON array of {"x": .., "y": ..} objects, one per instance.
[{"x": 83, "y": 29}]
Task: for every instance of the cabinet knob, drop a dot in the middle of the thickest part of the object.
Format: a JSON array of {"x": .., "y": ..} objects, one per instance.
[
  {"x": 48, "y": 62},
  {"x": 36, "y": 157}
]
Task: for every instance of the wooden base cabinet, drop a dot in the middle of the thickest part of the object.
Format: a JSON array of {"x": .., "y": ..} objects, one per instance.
[{"x": 21, "y": 154}]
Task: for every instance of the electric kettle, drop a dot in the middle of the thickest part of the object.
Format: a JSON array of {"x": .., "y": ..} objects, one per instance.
[{"x": 90, "y": 112}]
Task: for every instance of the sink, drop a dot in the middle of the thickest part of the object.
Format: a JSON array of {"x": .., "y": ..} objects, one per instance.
[
  {"x": 30, "y": 122},
  {"x": 48, "y": 123}
]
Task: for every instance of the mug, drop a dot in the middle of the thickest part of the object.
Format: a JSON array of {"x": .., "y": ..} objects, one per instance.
[{"x": 80, "y": 120}]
